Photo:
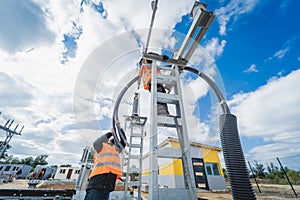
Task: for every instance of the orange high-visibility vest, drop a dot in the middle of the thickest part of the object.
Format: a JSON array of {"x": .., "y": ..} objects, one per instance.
[
  {"x": 106, "y": 161},
  {"x": 145, "y": 73}
]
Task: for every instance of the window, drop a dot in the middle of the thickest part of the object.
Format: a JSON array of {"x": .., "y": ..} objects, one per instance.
[
  {"x": 62, "y": 171},
  {"x": 212, "y": 169},
  {"x": 208, "y": 170},
  {"x": 7, "y": 168},
  {"x": 1, "y": 167},
  {"x": 216, "y": 169},
  {"x": 77, "y": 171}
]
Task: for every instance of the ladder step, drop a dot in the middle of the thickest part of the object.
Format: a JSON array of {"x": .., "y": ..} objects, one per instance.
[
  {"x": 134, "y": 157},
  {"x": 167, "y": 121},
  {"x": 166, "y": 77},
  {"x": 138, "y": 123},
  {"x": 133, "y": 183},
  {"x": 135, "y": 145},
  {"x": 167, "y": 83},
  {"x": 167, "y": 98},
  {"x": 136, "y": 135},
  {"x": 168, "y": 68},
  {"x": 134, "y": 170}
]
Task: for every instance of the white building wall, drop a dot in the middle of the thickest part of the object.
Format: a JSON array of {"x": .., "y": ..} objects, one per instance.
[
  {"x": 216, "y": 182},
  {"x": 63, "y": 173}
]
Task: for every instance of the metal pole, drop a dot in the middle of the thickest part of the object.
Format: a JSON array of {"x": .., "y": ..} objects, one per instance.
[
  {"x": 154, "y": 8},
  {"x": 287, "y": 177},
  {"x": 254, "y": 177}
]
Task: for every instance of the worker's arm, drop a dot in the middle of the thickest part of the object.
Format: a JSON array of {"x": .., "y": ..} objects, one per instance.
[
  {"x": 98, "y": 144},
  {"x": 140, "y": 71},
  {"x": 123, "y": 141}
]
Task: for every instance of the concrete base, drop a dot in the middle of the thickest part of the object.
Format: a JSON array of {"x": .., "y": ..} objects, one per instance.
[{"x": 115, "y": 195}]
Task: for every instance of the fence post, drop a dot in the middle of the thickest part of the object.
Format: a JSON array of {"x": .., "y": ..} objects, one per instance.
[
  {"x": 287, "y": 177},
  {"x": 254, "y": 177}
]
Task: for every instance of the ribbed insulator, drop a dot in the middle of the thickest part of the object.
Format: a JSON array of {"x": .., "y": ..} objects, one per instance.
[{"x": 241, "y": 187}]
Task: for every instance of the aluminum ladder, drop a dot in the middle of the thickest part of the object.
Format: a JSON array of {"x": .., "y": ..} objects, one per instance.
[
  {"x": 171, "y": 78},
  {"x": 135, "y": 155}
]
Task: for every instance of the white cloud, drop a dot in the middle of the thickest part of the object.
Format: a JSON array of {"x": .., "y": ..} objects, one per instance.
[
  {"x": 215, "y": 48},
  {"x": 25, "y": 16},
  {"x": 43, "y": 87},
  {"x": 252, "y": 68},
  {"x": 279, "y": 54},
  {"x": 265, "y": 154},
  {"x": 271, "y": 112},
  {"x": 234, "y": 9},
  {"x": 21, "y": 90}
]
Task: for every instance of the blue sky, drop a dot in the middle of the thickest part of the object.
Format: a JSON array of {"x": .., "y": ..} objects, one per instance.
[{"x": 47, "y": 50}]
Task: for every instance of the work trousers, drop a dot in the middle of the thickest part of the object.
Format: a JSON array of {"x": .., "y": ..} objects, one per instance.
[
  {"x": 162, "y": 108},
  {"x": 93, "y": 194}
]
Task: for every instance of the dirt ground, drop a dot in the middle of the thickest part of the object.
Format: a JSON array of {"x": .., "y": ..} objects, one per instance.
[
  {"x": 268, "y": 191},
  {"x": 22, "y": 184}
]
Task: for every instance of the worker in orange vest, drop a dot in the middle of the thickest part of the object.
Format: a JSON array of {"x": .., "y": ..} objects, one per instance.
[
  {"x": 107, "y": 168},
  {"x": 145, "y": 73}
]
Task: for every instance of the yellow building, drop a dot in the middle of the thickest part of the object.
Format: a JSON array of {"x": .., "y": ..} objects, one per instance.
[{"x": 206, "y": 164}]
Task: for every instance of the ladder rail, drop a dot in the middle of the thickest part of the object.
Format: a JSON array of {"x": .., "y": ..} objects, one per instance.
[
  {"x": 136, "y": 126},
  {"x": 184, "y": 141},
  {"x": 176, "y": 99},
  {"x": 153, "y": 162}
]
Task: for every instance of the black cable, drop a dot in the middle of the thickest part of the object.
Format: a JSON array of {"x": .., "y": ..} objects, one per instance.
[
  {"x": 119, "y": 135},
  {"x": 212, "y": 85}
]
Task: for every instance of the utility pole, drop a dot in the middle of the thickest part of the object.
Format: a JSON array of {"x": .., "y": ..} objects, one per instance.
[{"x": 9, "y": 134}]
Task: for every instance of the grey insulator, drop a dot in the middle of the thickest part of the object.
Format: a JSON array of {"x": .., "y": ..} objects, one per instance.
[
  {"x": 239, "y": 179},
  {"x": 135, "y": 106}
]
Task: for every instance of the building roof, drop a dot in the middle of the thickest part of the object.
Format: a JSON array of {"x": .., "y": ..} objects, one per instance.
[{"x": 195, "y": 144}]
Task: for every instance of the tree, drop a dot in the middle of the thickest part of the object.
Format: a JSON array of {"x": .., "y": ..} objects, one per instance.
[
  {"x": 27, "y": 161},
  {"x": 15, "y": 161},
  {"x": 259, "y": 169},
  {"x": 271, "y": 168},
  {"x": 33, "y": 162},
  {"x": 40, "y": 160},
  {"x": 2, "y": 145},
  {"x": 8, "y": 159},
  {"x": 293, "y": 175}
]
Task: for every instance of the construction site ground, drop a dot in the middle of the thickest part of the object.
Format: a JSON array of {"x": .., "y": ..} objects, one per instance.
[{"x": 268, "y": 191}]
